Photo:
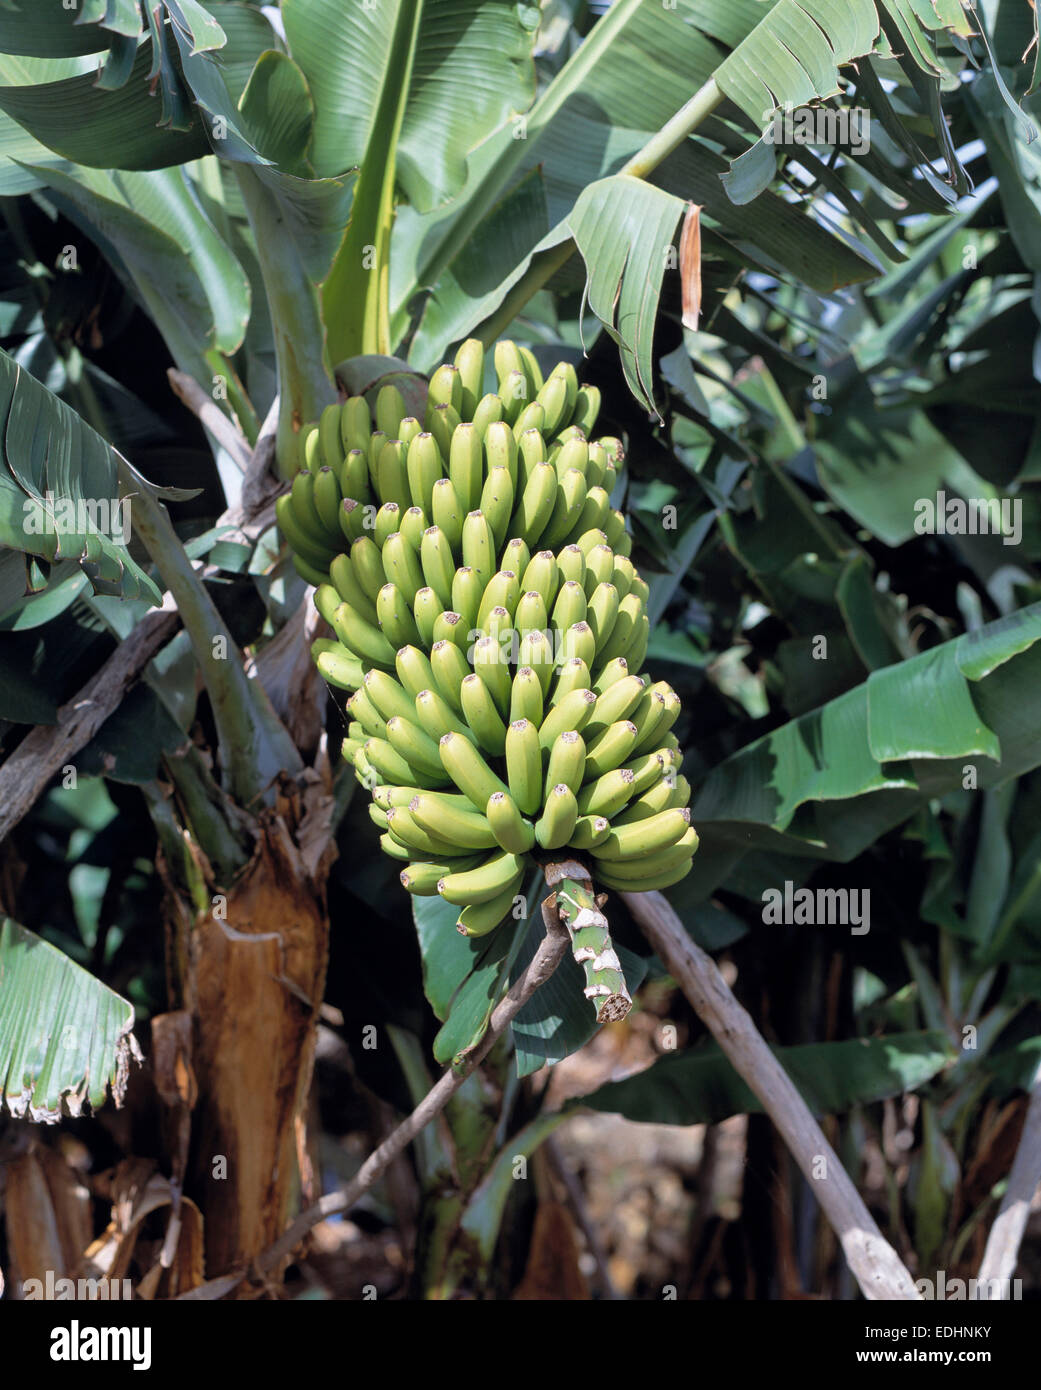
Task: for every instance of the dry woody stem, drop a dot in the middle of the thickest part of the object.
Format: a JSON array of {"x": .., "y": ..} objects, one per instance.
[{"x": 874, "y": 1263}]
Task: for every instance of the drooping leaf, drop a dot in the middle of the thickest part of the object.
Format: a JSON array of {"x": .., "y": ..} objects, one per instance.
[
  {"x": 59, "y": 495},
  {"x": 65, "y": 1038}
]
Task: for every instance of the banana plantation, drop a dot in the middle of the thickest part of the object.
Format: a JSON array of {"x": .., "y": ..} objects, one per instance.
[{"x": 520, "y": 656}]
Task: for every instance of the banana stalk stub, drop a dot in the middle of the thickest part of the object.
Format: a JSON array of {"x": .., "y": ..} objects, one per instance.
[{"x": 492, "y": 628}]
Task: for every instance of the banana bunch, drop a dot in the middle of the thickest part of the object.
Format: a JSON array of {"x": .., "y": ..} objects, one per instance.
[{"x": 491, "y": 628}]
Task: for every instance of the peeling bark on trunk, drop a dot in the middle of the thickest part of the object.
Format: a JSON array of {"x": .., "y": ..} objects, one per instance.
[
  {"x": 250, "y": 972},
  {"x": 259, "y": 975}
]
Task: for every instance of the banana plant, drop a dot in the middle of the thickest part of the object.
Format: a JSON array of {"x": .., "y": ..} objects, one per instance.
[{"x": 343, "y": 185}]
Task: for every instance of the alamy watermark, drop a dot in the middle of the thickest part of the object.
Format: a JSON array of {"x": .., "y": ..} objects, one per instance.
[
  {"x": 77, "y": 516},
  {"x": 830, "y": 907},
  {"x": 848, "y": 127},
  {"x": 975, "y": 516}
]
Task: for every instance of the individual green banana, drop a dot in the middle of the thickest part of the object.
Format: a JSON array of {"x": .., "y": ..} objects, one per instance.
[
  {"x": 647, "y": 769},
  {"x": 367, "y": 560},
  {"x": 319, "y": 554},
  {"x": 567, "y": 762},
  {"x": 466, "y": 466},
  {"x": 602, "y": 613},
  {"x": 396, "y": 619},
  {"x": 362, "y": 638},
  {"x": 497, "y": 504},
  {"x": 378, "y": 816},
  {"x": 615, "y": 701},
  {"x": 526, "y": 700},
  {"x": 656, "y": 882},
  {"x": 556, "y": 825},
  {"x": 402, "y": 567},
  {"x": 413, "y": 524},
  {"x": 589, "y": 831},
  {"x": 376, "y": 442},
  {"x": 645, "y": 837},
  {"x": 588, "y": 540},
  {"x": 512, "y": 831},
  {"x": 572, "y": 675},
  {"x": 436, "y": 717},
  {"x": 486, "y": 412},
  {"x": 490, "y": 880},
  {"x": 364, "y": 712},
  {"x": 607, "y": 795},
  {"x": 531, "y": 451},
  {"x": 623, "y": 630},
  {"x": 449, "y": 627},
  {"x": 586, "y": 409},
  {"x": 513, "y": 392},
  {"x": 388, "y": 521},
  {"x": 389, "y": 764},
  {"x": 570, "y": 607},
  {"x": 554, "y": 400},
  {"x": 450, "y": 668},
  {"x": 403, "y": 827},
  {"x": 442, "y": 421},
  {"x": 478, "y": 546},
  {"x": 440, "y": 816},
  {"x": 467, "y": 592},
  {"x": 391, "y": 847},
  {"x": 437, "y": 563},
  {"x": 341, "y": 572},
  {"x": 610, "y": 674},
  {"x": 409, "y": 428},
  {"x": 573, "y": 454},
  {"x": 448, "y": 511},
  {"x": 388, "y": 695},
  {"x": 537, "y": 651},
  {"x": 599, "y": 568},
  {"x": 524, "y": 765},
  {"x": 478, "y": 919},
  {"x": 353, "y": 516},
  {"x": 426, "y": 610},
  {"x": 355, "y": 425},
  {"x": 446, "y": 387},
  {"x": 422, "y": 876},
  {"x": 531, "y": 369},
  {"x": 572, "y": 714},
  {"x": 392, "y": 474},
  {"x": 327, "y": 499},
  {"x": 610, "y": 748},
  {"x": 482, "y": 715},
  {"x": 530, "y": 614},
  {"x": 536, "y": 504},
  {"x": 571, "y": 564},
  {"x": 577, "y": 640},
  {"x": 543, "y": 576},
  {"x": 329, "y": 436},
  {"x": 501, "y": 591},
  {"x": 414, "y": 671},
  {"x": 567, "y": 504},
  {"x": 417, "y": 748},
  {"x": 424, "y": 469},
  {"x": 469, "y": 361},
  {"x": 595, "y": 508},
  {"x": 516, "y": 557},
  {"x": 500, "y": 450},
  {"x": 490, "y": 663},
  {"x": 468, "y": 770},
  {"x": 336, "y": 665},
  {"x": 390, "y": 410}
]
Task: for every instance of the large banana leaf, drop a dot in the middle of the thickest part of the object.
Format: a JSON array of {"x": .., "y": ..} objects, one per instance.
[
  {"x": 65, "y": 1038},
  {"x": 905, "y": 735},
  {"x": 59, "y": 494},
  {"x": 701, "y": 1086}
]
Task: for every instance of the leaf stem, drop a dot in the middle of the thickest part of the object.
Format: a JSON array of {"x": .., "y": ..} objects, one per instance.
[
  {"x": 254, "y": 745},
  {"x": 304, "y": 385}
]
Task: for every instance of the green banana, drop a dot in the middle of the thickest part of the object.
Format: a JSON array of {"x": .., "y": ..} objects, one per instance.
[
  {"x": 556, "y": 825},
  {"x": 512, "y": 831},
  {"x": 482, "y": 715},
  {"x": 468, "y": 770},
  {"x": 490, "y": 880},
  {"x": 524, "y": 765}
]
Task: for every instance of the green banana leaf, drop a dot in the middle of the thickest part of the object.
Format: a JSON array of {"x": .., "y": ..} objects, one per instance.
[
  {"x": 701, "y": 1086},
  {"x": 57, "y": 482},
  {"x": 65, "y": 1038}
]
